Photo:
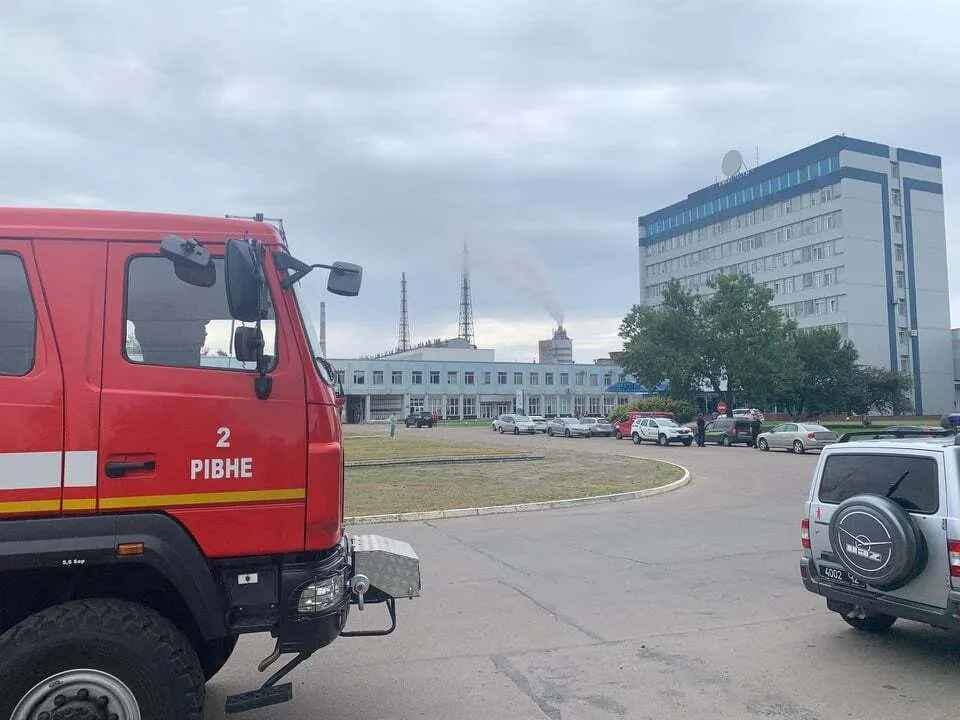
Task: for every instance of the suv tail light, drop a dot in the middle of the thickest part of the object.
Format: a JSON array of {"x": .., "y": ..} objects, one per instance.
[
  {"x": 953, "y": 548},
  {"x": 805, "y": 541},
  {"x": 810, "y": 436}
]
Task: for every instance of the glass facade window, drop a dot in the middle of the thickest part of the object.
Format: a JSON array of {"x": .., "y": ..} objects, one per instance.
[
  {"x": 416, "y": 403},
  {"x": 564, "y": 378},
  {"x": 469, "y": 407},
  {"x": 548, "y": 378},
  {"x": 895, "y": 194},
  {"x": 417, "y": 377},
  {"x": 607, "y": 379},
  {"x": 469, "y": 377},
  {"x": 579, "y": 405},
  {"x": 895, "y": 170},
  {"x": 486, "y": 378},
  {"x": 534, "y": 378},
  {"x": 359, "y": 377},
  {"x": 594, "y": 379},
  {"x": 453, "y": 407},
  {"x": 452, "y": 376},
  {"x": 533, "y": 405},
  {"x": 596, "y": 405},
  {"x": 563, "y": 406},
  {"x": 898, "y": 252},
  {"x": 378, "y": 377},
  {"x": 396, "y": 377},
  {"x": 897, "y": 224},
  {"x": 434, "y": 377},
  {"x": 518, "y": 378},
  {"x": 501, "y": 377},
  {"x": 581, "y": 377}
]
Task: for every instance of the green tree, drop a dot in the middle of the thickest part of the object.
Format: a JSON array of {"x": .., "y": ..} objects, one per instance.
[
  {"x": 665, "y": 342},
  {"x": 746, "y": 340},
  {"x": 826, "y": 373},
  {"x": 879, "y": 390}
]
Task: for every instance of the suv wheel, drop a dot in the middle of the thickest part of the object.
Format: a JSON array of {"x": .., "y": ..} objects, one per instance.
[
  {"x": 870, "y": 623},
  {"x": 725, "y": 441},
  {"x": 636, "y": 439},
  {"x": 798, "y": 447},
  {"x": 762, "y": 444},
  {"x": 566, "y": 433},
  {"x": 662, "y": 440},
  {"x": 97, "y": 659},
  {"x": 619, "y": 435},
  {"x": 516, "y": 431}
]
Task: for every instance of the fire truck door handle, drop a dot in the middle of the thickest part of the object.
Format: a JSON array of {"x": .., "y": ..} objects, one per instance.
[{"x": 116, "y": 468}]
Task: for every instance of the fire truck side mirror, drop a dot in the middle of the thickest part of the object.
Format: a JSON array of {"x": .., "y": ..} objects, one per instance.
[
  {"x": 243, "y": 280},
  {"x": 345, "y": 279}
]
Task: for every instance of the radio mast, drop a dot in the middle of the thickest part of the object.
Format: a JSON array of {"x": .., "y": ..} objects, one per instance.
[
  {"x": 403, "y": 342},
  {"x": 465, "y": 328}
]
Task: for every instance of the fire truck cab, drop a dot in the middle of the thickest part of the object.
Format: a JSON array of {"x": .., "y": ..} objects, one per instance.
[{"x": 171, "y": 465}]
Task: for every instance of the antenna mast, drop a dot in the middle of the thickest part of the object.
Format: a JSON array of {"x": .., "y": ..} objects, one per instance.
[
  {"x": 465, "y": 329},
  {"x": 403, "y": 343}
]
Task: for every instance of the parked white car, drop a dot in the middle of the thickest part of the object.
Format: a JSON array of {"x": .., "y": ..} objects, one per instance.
[
  {"x": 662, "y": 431},
  {"x": 516, "y": 424},
  {"x": 568, "y": 427},
  {"x": 540, "y": 422}
]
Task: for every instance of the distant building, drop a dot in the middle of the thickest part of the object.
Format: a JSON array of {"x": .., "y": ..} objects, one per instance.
[
  {"x": 468, "y": 383},
  {"x": 847, "y": 233},
  {"x": 558, "y": 349}
]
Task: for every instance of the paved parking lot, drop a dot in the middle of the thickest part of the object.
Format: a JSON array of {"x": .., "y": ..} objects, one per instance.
[{"x": 686, "y": 605}]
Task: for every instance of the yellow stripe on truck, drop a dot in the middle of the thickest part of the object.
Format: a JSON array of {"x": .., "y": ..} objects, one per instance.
[
  {"x": 29, "y": 506},
  {"x": 80, "y": 504},
  {"x": 214, "y": 498}
]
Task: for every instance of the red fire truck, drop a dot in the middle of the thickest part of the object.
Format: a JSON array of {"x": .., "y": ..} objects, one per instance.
[{"x": 171, "y": 465}]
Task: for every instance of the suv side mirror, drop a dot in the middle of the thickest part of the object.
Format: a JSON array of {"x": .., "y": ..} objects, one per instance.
[
  {"x": 345, "y": 279},
  {"x": 248, "y": 344},
  {"x": 243, "y": 281}
]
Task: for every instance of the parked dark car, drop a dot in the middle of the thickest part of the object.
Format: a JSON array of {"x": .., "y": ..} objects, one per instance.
[
  {"x": 419, "y": 419},
  {"x": 729, "y": 431}
]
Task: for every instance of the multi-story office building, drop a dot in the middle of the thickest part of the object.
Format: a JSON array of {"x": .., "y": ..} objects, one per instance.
[
  {"x": 463, "y": 383},
  {"x": 846, "y": 232}
]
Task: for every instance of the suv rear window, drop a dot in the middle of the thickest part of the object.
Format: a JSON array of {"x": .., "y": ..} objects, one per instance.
[{"x": 912, "y": 479}]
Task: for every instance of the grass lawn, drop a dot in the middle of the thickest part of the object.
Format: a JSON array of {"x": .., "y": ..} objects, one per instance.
[
  {"x": 409, "y": 444},
  {"x": 380, "y": 490}
]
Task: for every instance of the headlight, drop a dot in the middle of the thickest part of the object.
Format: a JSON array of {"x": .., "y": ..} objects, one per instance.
[{"x": 318, "y": 596}]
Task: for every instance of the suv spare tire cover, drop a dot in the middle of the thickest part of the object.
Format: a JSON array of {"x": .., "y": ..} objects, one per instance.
[{"x": 877, "y": 541}]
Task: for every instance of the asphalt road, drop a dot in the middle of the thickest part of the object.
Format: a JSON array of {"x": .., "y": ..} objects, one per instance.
[{"x": 685, "y": 605}]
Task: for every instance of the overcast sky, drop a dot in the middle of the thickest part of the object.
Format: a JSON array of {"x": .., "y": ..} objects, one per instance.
[{"x": 390, "y": 133}]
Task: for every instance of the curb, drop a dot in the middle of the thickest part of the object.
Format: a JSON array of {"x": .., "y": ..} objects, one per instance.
[
  {"x": 443, "y": 460},
  {"x": 526, "y": 507}
]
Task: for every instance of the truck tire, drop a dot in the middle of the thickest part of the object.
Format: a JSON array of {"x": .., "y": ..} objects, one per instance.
[{"x": 71, "y": 656}]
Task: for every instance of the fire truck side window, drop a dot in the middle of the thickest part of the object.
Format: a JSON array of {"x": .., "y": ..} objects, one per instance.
[
  {"x": 18, "y": 318},
  {"x": 170, "y": 322}
]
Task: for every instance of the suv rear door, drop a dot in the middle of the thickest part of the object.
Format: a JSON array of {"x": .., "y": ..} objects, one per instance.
[
  {"x": 182, "y": 430},
  {"x": 921, "y": 492}
]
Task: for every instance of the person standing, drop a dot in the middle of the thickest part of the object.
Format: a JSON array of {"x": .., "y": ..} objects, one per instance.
[
  {"x": 754, "y": 431},
  {"x": 701, "y": 426}
]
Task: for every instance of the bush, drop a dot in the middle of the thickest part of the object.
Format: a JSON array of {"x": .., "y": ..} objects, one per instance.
[{"x": 682, "y": 410}]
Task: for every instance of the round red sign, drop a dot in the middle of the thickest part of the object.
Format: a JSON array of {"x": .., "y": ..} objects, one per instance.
[{"x": 721, "y": 407}]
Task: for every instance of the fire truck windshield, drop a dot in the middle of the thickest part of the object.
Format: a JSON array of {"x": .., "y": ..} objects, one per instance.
[{"x": 313, "y": 339}]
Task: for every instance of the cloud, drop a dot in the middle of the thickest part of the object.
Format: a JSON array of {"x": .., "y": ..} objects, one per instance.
[{"x": 389, "y": 133}]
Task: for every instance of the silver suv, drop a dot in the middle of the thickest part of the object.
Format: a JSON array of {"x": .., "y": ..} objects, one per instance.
[{"x": 881, "y": 531}]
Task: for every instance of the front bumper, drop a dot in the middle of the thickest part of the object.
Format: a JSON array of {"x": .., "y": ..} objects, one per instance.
[{"x": 843, "y": 599}]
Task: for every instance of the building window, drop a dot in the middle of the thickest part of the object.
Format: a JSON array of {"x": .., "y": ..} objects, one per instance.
[
  {"x": 901, "y": 279},
  {"x": 378, "y": 377},
  {"x": 501, "y": 377},
  {"x": 486, "y": 378},
  {"x": 359, "y": 377},
  {"x": 596, "y": 405},
  {"x": 534, "y": 378},
  {"x": 607, "y": 379},
  {"x": 533, "y": 405},
  {"x": 434, "y": 377},
  {"x": 452, "y": 377},
  {"x": 579, "y": 405},
  {"x": 417, "y": 377},
  {"x": 341, "y": 377},
  {"x": 416, "y": 403},
  {"x": 469, "y": 377},
  {"x": 904, "y": 363},
  {"x": 518, "y": 378},
  {"x": 902, "y": 334},
  {"x": 564, "y": 378},
  {"x": 895, "y": 170},
  {"x": 453, "y": 407},
  {"x": 563, "y": 405},
  {"x": 895, "y": 194},
  {"x": 396, "y": 377},
  {"x": 548, "y": 378},
  {"x": 581, "y": 377},
  {"x": 898, "y": 252},
  {"x": 897, "y": 224},
  {"x": 594, "y": 379},
  {"x": 469, "y": 407}
]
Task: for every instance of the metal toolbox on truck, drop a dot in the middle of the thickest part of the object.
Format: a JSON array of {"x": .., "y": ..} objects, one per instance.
[{"x": 392, "y": 566}]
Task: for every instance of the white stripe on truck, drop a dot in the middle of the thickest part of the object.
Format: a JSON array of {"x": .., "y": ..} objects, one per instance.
[{"x": 40, "y": 470}]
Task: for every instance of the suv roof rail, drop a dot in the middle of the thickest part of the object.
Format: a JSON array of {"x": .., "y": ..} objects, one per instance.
[{"x": 880, "y": 434}]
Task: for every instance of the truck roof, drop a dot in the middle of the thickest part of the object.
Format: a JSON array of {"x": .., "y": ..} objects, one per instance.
[{"x": 64, "y": 223}]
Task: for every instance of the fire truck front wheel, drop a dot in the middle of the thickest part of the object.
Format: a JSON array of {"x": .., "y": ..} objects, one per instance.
[{"x": 99, "y": 658}]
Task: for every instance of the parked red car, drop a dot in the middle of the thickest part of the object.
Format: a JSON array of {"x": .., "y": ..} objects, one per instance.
[{"x": 623, "y": 425}]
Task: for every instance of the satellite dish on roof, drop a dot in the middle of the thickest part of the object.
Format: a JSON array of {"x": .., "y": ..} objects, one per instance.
[{"x": 732, "y": 162}]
